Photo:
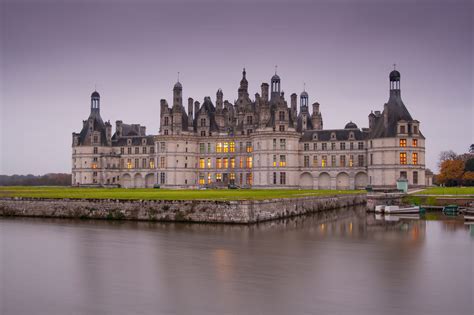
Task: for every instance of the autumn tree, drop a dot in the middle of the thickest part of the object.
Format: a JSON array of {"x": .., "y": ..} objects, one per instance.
[{"x": 451, "y": 172}]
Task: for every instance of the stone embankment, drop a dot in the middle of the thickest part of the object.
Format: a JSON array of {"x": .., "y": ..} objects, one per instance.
[{"x": 243, "y": 212}]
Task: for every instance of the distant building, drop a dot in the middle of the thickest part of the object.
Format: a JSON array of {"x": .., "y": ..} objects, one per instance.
[{"x": 259, "y": 143}]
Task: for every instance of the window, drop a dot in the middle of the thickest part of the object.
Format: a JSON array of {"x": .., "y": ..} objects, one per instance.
[
  {"x": 324, "y": 161},
  {"x": 137, "y": 150},
  {"x": 218, "y": 177},
  {"x": 306, "y": 161},
  {"x": 129, "y": 163},
  {"x": 360, "y": 145},
  {"x": 122, "y": 150},
  {"x": 203, "y": 122},
  {"x": 136, "y": 163},
  {"x": 403, "y": 158},
  {"x": 371, "y": 159},
  {"x": 201, "y": 179},
  {"x": 152, "y": 150},
  {"x": 351, "y": 145},
  {"x": 163, "y": 146},
  {"x": 282, "y": 160},
  {"x": 324, "y": 146},
  {"x": 152, "y": 163},
  {"x": 226, "y": 147},
  {"x": 306, "y": 147},
  {"x": 333, "y": 146},
  {"x": 209, "y": 163},
  {"x": 95, "y": 139},
  {"x": 415, "y": 178},
  {"x": 166, "y": 132},
  {"x": 403, "y": 142},
  {"x": 274, "y": 178},
  {"x": 249, "y": 162},
  {"x": 402, "y": 129},
  {"x": 144, "y": 150},
  {"x": 282, "y": 178},
  {"x": 96, "y": 150},
  {"x": 333, "y": 136},
  {"x": 144, "y": 164},
  {"x": 202, "y": 148},
  {"x": 414, "y": 142},
  {"x": 249, "y": 147},
  {"x": 282, "y": 128},
  {"x": 414, "y": 158},
  {"x": 342, "y": 161},
  {"x": 342, "y": 145},
  {"x": 219, "y": 147},
  {"x": 403, "y": 174},
  {"x": 274, "y": 144},
  {"x": 203, "y": 133},
  {"x": 360, "y": 160},
  {"x": 282, "y": 144},
  {"x": 315, "y": 146},
  {"x": 333, "y": 160},
  {"x": 167, "y": 121},
  {"x": 249, "y": 179},
  {"x": 415, "y": 129},
  {"x": 249, "y": 120},
  {"x": 281, "y": 116},
  {"x": 162, "y": 178},
  {"x": 232, "y": 162},
  {"x": 208, "y": 148},
  {"x": 274, "y": 160},
  {"x": 232, "y": 177},
  {"x": 218, "y": 163},
  {"x": 162, "y": 162},
  {"x": 226, "y": 162},
  {"x": 241, "y": 162},
  {"x": 232, "y": 146},
  {"x": 94, "y": 165},
  {"x": 315, "y": 161},
  {"x": 351, "y": 160}
]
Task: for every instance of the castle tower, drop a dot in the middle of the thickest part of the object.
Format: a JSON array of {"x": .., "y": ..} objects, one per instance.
[
  {"x": 275, "y": 86},
  {"x": 177, "y": 95},
  {"x": 244, "y": 84},
  {"x": 304, "y": 102},
  {"x": 316, "y": 117}
]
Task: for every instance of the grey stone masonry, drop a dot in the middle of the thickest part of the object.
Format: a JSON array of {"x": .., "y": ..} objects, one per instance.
[{"x": 241, "y": 212}]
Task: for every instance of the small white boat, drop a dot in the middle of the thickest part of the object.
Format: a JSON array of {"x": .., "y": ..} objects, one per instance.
[
  {"x": 379, "y": 208},
  {"x": 469, "y": 218},
  {"x": 397, "y": 209}
]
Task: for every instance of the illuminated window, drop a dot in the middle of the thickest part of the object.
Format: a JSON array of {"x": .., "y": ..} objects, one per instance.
[
  {"x": 226, "y": 147},
  {"x": 403, "y": 158},
  {"x": 232, "y": 146},
  {"x": 209, "y": 163},
  {"x": 226, "y": 163},
  {"x": 324, "y": 161},
  {"x": 249, "y": 162},
  {"x": 351, "y": 160},
  {"x": 342, "y": 161},
  {"x": 414, "y": 158},
  {"x": 209, "y": 178},
  {"x": 249, "y": 147},
  {"x": 218, "y": 177},
  {"x": 241, "y": 162},
  {"x": 415, "y": 142},
  {"x": 232, "y": 176},
  {"x": 315, "y": 161},
  {"x": 201, "y": 163},
  {"x": 202, "y": 181},
  {"x": 403, "y": 142},
  {"x": 249, "y": 179},
  {"x": 218, "y": 163},
  {"x": 282, "y": 160},
  {"x": 94, "y": 165},
  {"x": 152, "y": 163},
  {"x": 219, "y": 147},
  {"x": 232, "y": 162},
  {"x": 306, "y": 161},
  {"x": 274, "y": 160}
]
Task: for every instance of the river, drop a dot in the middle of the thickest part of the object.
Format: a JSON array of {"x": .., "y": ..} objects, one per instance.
[{"x": 337, "y": 262}]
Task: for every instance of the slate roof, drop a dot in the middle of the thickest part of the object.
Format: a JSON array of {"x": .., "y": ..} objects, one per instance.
[
  {"x": 136, "y": 141},
  {"x": 341, "y": 134}
]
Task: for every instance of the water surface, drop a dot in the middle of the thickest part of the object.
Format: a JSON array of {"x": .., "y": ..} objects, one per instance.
[{"x": 338, "y": 262}]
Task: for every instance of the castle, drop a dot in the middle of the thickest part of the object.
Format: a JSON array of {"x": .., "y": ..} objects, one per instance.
[{"x": 259, "y": 143}]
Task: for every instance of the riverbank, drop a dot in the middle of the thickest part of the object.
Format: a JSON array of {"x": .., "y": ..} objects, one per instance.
[{"x": 204, "y": 211}]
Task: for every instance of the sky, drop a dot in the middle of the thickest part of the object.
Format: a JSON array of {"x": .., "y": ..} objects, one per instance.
[{"x": 53, "y": 54}]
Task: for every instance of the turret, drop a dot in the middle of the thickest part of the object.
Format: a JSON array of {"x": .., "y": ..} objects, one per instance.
[
  {"x": 177, "y": 95},
  {"x": 275, "y": 86},
  {"x": 95, "y": 103}
]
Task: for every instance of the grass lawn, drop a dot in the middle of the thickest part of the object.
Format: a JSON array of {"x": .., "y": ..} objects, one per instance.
[
  {"x": 447, "y": 191},
  {"x": 162, "y": 194}
]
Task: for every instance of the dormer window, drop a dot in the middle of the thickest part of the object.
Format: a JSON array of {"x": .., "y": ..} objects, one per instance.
[
  {"x": 315, "y": 136},
  {"x": 167, "y": 121},
  {"x": 129, "y": 141},
  {"x": 415, "y": 129},
  {"x": 203, "y": 122},
  {"x": 143, "y": 141},
  {"x": 402, "y": 129},
  {"x": 281, "y": 115},
  {"x": 351, "y": 135},
  {"x": 333, "y": 136},
  {"x": 249, "y": 120}
]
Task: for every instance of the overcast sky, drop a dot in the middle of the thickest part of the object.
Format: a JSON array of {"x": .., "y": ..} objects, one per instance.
[{"x": 53, "y": 54}]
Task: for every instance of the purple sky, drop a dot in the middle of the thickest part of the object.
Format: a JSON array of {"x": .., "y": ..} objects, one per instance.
[{"x": 53, "y": 53}]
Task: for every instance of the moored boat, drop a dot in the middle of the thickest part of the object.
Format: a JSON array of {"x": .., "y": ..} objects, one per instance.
[
  {"x": 379, "y": 208},
  {"x": 397, "y": 209}
]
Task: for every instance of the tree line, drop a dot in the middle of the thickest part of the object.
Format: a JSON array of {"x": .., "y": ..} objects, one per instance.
[
  {"x": 456, "y": 170},
  {"x": 52, "y": 179}
]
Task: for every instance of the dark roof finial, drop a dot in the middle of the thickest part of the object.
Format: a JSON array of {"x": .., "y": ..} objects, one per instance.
[{"x": 276, "y": 67}]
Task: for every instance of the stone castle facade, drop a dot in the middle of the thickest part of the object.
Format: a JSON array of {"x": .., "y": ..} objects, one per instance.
[{"x": 252, "y": 143}]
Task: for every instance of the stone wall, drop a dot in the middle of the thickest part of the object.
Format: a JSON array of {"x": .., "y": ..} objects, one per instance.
[{"x": 178, "y": 210}]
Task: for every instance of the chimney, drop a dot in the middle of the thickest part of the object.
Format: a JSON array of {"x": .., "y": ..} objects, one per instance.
[
  {"x": 264, "y": 87},
  {"x": 196, "y": 108},
  {"x": 385, "y": 115}
]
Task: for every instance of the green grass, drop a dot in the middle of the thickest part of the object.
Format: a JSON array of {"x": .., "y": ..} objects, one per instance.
[
  {"x": 447, "y": 191},
  {"x": 162, "y": 194}
]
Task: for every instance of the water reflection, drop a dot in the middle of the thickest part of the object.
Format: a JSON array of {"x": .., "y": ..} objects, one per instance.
[{"x": 338, "y": 262}]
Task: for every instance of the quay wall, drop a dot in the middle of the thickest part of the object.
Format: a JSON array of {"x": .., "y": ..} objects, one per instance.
[{"x": 243, "y": 212}]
